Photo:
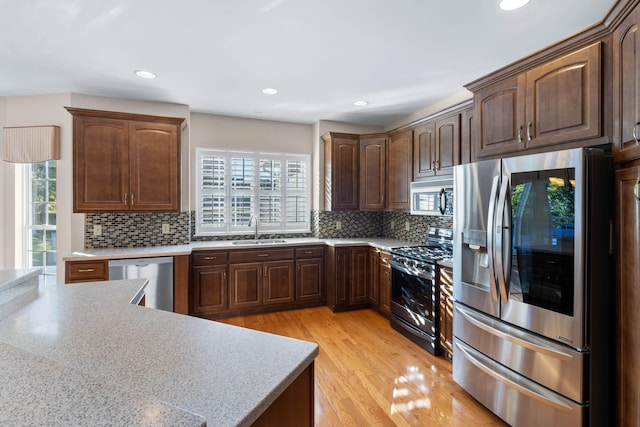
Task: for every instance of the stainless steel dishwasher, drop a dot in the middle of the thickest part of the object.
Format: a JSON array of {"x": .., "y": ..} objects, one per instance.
[{"x": 159, "y": 272}]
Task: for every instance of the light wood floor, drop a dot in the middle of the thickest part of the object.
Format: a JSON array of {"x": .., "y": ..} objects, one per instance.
[{"x": 367, "y": 374}]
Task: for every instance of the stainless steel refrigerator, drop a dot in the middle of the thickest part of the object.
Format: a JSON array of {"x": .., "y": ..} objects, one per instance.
[{"x": 533, "y": 289}]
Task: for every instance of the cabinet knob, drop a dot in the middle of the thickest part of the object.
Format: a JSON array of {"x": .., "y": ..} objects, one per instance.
[
  {"x": 636, "y": 190},
  {"x": 634, "y": 133}
]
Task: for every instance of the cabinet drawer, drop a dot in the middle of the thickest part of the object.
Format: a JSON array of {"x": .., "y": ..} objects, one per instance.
[
  {"x": 310, "y": 252},
  {"x": 260, "y": 255},
  {"x": 209, "y": 258},
  {"x": 86, "y": 271}
]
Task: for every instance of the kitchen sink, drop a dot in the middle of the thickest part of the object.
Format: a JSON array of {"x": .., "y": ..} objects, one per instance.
[{"x": 257, "y": 242}]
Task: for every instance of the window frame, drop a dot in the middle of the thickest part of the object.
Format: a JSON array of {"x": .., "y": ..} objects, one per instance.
[{"x": 222, "y": 159}]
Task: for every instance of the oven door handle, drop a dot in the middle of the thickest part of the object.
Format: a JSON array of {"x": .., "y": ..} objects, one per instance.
[
  {"x": 402, "y": 269},
  {"x": 491, "y": 237}
]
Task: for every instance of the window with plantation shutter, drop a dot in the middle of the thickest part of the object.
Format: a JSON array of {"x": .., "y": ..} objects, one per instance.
[{"x": 234, "y": 186}]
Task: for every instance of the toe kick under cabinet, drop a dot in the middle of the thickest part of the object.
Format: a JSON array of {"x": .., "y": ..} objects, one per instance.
[{"x": 227, "y": 283}]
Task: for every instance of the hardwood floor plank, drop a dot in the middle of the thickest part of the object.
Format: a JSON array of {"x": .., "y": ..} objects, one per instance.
[{"x": 369, "y": 374}]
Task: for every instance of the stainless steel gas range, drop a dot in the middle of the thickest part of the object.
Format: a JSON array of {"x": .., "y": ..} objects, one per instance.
[{"x": 415, "y": 289}]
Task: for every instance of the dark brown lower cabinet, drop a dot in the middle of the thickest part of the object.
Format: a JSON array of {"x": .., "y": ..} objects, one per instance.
[
  {"x": 347, "y": 277},
  {"x": 310, "y": 280},
  {"x": 380, "y": 281},
  {"x": 446, "y": 311},
  {"x": 278, "y": 282},
  {"x": 210, "y": 289}
]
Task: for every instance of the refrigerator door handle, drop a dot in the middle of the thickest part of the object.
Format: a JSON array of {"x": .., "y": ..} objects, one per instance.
[
  {"x": 491, "y": 237},
  {"x": 500, "y": 229},
  {"x": 521, "y": 386}
]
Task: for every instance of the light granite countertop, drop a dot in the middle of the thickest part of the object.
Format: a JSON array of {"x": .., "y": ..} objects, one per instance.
[
  {"x": 83, "y": 355},
  {"x": 155, "y": 251}
]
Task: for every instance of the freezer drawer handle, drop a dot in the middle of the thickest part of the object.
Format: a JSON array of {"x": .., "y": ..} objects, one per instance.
[
  {"x": 546, "y": 399},
  {"x": 471, "y": 318}
]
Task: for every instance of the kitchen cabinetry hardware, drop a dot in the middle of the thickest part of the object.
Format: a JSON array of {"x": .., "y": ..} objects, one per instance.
[
  {"x": 90, "y": 270},
  {"x": 263, "y": 255},
  {"x": 520, "y": 134},
  {"x": 634, "y": 133},
  {"x": 636, "y": 191},
  {"x": 529, "y": 126}
]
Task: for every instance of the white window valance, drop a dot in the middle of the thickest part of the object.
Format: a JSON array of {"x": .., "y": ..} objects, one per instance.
[{"x": 31, "y": 144}]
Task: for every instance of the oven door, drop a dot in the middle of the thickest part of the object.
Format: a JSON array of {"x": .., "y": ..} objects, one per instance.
[{"x": 412, "y": 299}]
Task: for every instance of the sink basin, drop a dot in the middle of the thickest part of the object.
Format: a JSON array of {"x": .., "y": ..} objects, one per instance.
[{"x": 257, "y": 242}]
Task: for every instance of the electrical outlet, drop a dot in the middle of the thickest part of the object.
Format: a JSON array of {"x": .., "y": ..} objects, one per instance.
[
  {"x": 166, "y": 229},
  {"x": 393, "y": 225},
  {"x": 97, "y": 230},
  {"x": 407, "y": 226},
  {"x": 338, "y": 225}
]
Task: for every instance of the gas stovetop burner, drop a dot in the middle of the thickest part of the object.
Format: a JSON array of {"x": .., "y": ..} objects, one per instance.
[{"x": 439, "y": 247}]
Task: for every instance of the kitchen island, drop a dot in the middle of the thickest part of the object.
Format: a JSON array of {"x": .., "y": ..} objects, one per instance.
[{"x": 87, "y": 354}]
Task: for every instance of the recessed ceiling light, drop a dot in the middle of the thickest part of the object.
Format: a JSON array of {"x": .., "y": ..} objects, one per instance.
[
  {"x": 360, "y": 103},
  {"x": 269, "y": 91},
  {"x": 512, "y": 4},
  {"x": 145, "y": 74}
]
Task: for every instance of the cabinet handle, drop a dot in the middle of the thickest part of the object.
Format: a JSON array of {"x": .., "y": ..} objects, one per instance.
[
  {"x": 91, "y": 270},
  {"x": 437, "y": 165},
  {"x": 224, "y": 276},
  {"x": 308, "y": 252},
  {"x": 529, "y": 127},
  {"x": 262, "y": 255},
  {"x": 520, "y": 133},
  {"x": 433, "y": 165},
  {"x": 132, "y": 202},
  {"x": 126, "y": 199},
  {"x": 208, "y": 258},
  {"x": 634, "y": 133},
  {"x": 636, "y": 190}
]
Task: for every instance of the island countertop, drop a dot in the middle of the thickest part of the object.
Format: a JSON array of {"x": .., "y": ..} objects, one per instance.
[{"x": 143, "y": 364}]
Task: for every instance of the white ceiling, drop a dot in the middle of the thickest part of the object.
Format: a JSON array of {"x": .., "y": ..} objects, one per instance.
[{"x": 322, "y": 55}]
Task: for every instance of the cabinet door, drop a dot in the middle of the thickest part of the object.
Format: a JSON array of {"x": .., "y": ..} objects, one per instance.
[
  {"x": 424, "y": 150},
  {"x": 499, "y": 118},
  {"x": 342, "y": 275},
  {"x": 310, "y": 279},
  {"x": 467, "y": 133},
  {"x": 446, "y": 310},
  {"x": 384, "y": 283},
  {"x": 374, "y": 288},
  {"x": 100, "y": 165},
  {"x": 154, "y": 152},
  {"x": 384, "y": 278},
  {"x": 278, "y": 284},
  {"x": 628, "y": 278},
  {"x": 626, "y": 88},
  {"x": 563, "y": 99},
  {"x": 447, "y": 144},
  {"x": 245, "y": 285},
  {"x": 341, "y": 171},
  {"x": 359, "y": 276},
  {"x": 373, "y": 178},
  {"x": 400, "y": 170},
  {"x": 209, "y": 289}
]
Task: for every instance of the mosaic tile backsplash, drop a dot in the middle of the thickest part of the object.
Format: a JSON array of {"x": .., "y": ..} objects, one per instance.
[{"x": 145, "y": 229}]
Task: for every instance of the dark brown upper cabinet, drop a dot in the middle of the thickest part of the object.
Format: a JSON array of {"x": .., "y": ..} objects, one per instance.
[
  {"x": 436, "y": 147},
  {"x": 373, "y": 168},
  {"x": 341, "y": 171},
  {"x": 399, "y": 170},
  {"x": 626, "y": 88},
  {"x": 554, "y": 103},
  {"x": 125, "y": 162}
]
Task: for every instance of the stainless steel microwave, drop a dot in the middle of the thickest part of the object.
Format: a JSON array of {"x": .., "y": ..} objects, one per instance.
[{"x": 432, "y": 197}]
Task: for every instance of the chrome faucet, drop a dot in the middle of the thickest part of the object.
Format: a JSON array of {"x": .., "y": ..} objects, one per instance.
[{"x": 253, "y": 217}]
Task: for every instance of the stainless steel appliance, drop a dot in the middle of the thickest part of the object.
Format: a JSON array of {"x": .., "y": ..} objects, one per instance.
[
  {"x": 433, "y": 196},
  {"x": 414, "y": 288},
  {"x": 159, "y": 271},
  {"x": 532, "y": 287}
]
